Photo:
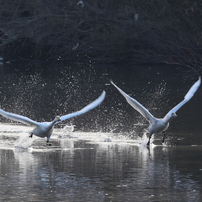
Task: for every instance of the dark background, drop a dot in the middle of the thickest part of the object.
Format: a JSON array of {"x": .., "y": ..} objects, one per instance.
[{"x": 135, "y": 31}]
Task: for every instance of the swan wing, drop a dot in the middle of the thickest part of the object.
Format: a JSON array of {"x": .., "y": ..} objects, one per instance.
[
  {"x": 87, "y": 108},
  {"x": 136, "y": 105},
  {"x": 19, "y": 118},
  {"x": 187, "y": 97}
]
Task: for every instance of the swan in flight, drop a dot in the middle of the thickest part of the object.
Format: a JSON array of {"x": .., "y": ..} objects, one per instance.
[
  {"x": 158, "y": 125},
  {"x": 45, "y": 129}
]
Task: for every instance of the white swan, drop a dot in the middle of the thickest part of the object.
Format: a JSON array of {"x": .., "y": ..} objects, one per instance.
[
  {"x": 45, "y": 129},
  {"x": 158, "y": 125}
]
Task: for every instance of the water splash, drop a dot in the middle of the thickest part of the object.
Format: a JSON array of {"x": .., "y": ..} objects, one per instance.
[
  {"x": 67, "y": 131},
  {"x": 144, "y": 139},
  {"x": 24, "y": 142},
  {"x": 69, "y": 128},
  {"x": 107, "y": 139}
]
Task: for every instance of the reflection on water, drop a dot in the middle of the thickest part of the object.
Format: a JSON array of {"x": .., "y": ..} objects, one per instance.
[{"x": 85, "y": 170}]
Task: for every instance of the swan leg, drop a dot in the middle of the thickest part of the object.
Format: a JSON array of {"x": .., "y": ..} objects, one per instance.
[
  {"x": 47, "y": 143},
  {"x": 31, "y": 135},
  {"x": 164, "y": 135},
  {"x": 148, "y": 143}
]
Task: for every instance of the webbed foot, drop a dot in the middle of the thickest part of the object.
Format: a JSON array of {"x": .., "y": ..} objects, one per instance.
[{"x": 48, "y": 144}]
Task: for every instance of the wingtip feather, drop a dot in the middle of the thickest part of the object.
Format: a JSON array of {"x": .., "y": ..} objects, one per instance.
[{"x": 193, "y": 89}]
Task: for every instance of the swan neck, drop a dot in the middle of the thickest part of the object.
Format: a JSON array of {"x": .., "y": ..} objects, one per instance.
[
  {"x": 53, "y": 123},
  {"x": 168, "y": 118}
]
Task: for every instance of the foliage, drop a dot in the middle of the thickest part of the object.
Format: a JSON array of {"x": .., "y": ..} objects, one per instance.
[{"x": 139, "y": 30}]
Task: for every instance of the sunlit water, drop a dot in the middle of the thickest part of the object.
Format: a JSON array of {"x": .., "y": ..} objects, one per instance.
[
  {"x": 101, "y": 155},
  {"x": 81, "y": 166}
]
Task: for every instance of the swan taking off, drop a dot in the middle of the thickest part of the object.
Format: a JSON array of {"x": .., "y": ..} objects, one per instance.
[
  {"x": 45, "y": 129},
  {"x": 158, "y": 125}
]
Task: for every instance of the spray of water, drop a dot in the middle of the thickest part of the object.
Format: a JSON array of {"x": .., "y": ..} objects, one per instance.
[
  {"x": 67, "y": 131},
  {"x": 144, "y": 139},
  {"x": 24, "y": 142}
]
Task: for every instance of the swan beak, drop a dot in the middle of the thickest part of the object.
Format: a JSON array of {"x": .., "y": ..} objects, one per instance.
[
  {"x": 174, "y": 115},
  {"x": 58, "y": 118}
]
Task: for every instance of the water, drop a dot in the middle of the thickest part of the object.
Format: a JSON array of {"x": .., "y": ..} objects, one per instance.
[
  {"x": 85, "y": 168},
  {"x": 101, "y": 155}
]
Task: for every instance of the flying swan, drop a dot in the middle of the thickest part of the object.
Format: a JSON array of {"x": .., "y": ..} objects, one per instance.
[
  {"x": 157, "y": 125},
  {"x": 45, "y": 129}
]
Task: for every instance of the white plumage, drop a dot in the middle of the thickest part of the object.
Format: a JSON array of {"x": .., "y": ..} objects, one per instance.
[
  {"x": 45, "y": 129},
  {"x": 158, "y": 125}
]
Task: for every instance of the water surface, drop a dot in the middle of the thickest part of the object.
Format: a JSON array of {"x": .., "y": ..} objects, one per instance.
[{"x": 75, "y": 169}]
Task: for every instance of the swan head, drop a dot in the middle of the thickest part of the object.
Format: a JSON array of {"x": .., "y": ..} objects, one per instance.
[
  {"x": 168, "y": 118},
  {"x": 173, "y": 115},
  {"x": 57, "y": 118}
]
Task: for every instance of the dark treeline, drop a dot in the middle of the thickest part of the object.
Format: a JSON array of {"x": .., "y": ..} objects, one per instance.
[{"x": 151, "y": 31}]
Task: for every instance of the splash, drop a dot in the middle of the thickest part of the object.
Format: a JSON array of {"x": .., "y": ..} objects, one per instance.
[
  {"x": 107, "y": 139},
  {"x": 144, "y": 139},
  {"x": 69, "y": 128},
  {"x": 67, "y": 131},
  {"x": 24, "y": 142}
]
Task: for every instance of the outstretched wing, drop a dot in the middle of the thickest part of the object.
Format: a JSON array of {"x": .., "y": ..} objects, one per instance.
[
  {"x": 136, "y": 105},
  {"x": 92, "y": 105},
  {"x": 18, "y": 118},
  {"x": 187, "y": 97}
]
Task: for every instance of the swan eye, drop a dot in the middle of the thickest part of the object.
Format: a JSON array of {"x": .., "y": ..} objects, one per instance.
[{"x": 58, "y": 118}]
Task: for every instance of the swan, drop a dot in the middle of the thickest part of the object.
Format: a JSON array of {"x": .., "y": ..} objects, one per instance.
[
  {"x": 45, "y": 129},
  {"x": 157, "y": 125}
]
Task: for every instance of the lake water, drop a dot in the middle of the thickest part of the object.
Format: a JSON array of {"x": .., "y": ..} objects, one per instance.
[{"x": 80, "y": 165}]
